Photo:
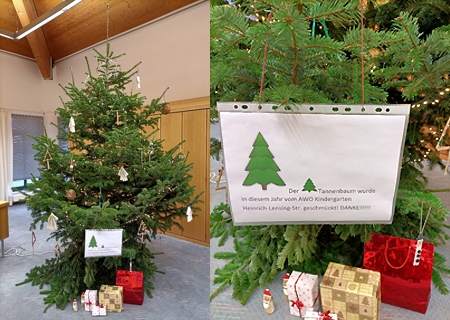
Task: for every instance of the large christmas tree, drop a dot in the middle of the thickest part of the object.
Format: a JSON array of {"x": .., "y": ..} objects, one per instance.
[
  {"x": 114, "y": 175},
  {"x": 310, "y": 52}
]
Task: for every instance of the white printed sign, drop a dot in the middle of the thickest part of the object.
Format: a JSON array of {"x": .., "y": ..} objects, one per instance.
[
  {"x": 320, "y": 166},
  {"x": 103, "y": 243}
]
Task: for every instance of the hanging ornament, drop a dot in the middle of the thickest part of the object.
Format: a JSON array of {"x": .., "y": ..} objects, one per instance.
[
  {"x": 72, "y": 162},
  {"x": 33, "y": 240},
  {"x": 71, "y": 194},
  {"x": 100, "y": 198},
  {"x": 47, "y": 158},
  {"x": 181, "y": 152},
  {"x": 142, "y": 231},
  {"x": 72, "y": 124},
  {"x": 166, "y": 109},
  {"x": 151, "y": 150},
  {"x": 117, "y": 118},
  {"x": 52, "y": 222},
  {"x": 57, "y": 250},
  {"x": 138, "y": 79},
  {"x": 123, "y": 174},
  {"x": 87, "y": 79},
  {"x": 189, "y": 214}
]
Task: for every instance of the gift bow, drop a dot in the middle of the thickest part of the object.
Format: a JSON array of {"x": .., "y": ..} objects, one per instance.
[
  {"x": 325, "y": 316},
  {"x": 100, "y": 306},
  {"x": 297, "y": 303}
]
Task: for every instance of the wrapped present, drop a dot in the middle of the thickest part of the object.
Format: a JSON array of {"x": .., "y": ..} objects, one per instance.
[
  {"x": 351, "y": 293},
  {"x": 90, "y": 299},
  {"x": 133, "y": 286},
  {"x": 406, "y": 268},
  {"x": 303, "y": 293},
  {"x": 313, "y": 315},
  {"x": 111, "y": 297},
  {"x": 99, "y": 310}
]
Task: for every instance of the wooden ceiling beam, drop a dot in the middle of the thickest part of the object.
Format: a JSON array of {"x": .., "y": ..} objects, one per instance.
[{"x": 27, "y": 12}]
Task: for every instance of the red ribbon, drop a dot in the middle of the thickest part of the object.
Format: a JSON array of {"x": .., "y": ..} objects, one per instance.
[
  {"x": 297, "y": 303},
  {"x": 101, "y": 306},
  {"x": 325, "y": 316}
]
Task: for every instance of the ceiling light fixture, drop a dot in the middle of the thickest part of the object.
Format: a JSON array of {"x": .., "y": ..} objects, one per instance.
[{"x": 39, "y": 22}]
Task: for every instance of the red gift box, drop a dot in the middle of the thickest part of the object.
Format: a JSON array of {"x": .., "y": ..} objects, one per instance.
[
  {"x": 133, "y": 286},
  {"x": 403, "y": 284}
]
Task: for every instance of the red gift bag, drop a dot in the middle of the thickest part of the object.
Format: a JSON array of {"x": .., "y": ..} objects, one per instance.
[
  {"x": 133, "y": 286},
  {"x": 403, "y": 284}
]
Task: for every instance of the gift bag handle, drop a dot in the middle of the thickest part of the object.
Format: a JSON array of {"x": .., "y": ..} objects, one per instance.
[{"x": 387, "y": 260}]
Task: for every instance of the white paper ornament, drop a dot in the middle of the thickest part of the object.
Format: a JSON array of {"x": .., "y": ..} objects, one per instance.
[
  {"x": 52, "y": 222},
  {"x": 123, "y": 174},
  {"x": 189, "y": 214},
  {"x": 72, "y": 124}
]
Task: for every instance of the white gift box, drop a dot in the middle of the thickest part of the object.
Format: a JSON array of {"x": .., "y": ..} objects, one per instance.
[
  {"x": 313, "y": 315},
  {"x": 90, "y": 299},
  {"x": 303, "y": 293},
  {"x": 99, "y": 310}
]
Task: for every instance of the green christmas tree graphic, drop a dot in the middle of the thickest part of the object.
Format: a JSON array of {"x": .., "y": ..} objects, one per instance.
[
  {"x": 93, "y": 243},
  {"x": 261, "y": 167},
  {"x": 309, "y": 186}
]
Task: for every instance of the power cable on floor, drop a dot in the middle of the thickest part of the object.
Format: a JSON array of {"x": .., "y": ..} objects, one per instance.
[{"x": 18, "y": 250}]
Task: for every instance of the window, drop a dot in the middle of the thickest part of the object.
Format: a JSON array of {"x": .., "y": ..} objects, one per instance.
[
  {"x": 24, "y": 165},
  {"x": 63, "y": 144}
]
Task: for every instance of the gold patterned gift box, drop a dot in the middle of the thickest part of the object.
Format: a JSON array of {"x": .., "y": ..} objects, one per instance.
[
  {"x": 111, "y": 297},
  {"x": 351, "y": 293}
]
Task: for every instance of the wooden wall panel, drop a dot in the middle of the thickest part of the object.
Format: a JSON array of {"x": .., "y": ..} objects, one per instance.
[
  {"x": 195, "y": 130},
  {"x": 171, "y": 133},
  {"x": 189, "y": 122}
]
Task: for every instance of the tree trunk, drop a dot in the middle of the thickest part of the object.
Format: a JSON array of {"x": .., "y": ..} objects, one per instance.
[{"x": 264, "y": 186}]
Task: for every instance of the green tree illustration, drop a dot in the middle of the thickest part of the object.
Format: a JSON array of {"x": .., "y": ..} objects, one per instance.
[
  {"x": 261, "y": 167},
  {"x": 309, "y": 186},
  {"x": 93, "y": 242}
]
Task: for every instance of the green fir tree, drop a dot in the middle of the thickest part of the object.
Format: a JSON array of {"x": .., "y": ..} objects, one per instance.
[
  {"x": 309, "y": 186},
  {"x": 113, "y": 129},
  {"x": 306, "y": 65},
  {"x": 262, "y": 168},
  {"x": 93, "y": 242}
]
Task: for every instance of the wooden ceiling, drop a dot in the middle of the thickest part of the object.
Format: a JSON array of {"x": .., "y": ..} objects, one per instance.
[{"x": 78, "y": 28}]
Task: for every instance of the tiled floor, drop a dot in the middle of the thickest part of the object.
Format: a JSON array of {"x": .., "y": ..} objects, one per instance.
[
  {"x": 224, "y": 307},
  {"x": 181, "y": 293}
]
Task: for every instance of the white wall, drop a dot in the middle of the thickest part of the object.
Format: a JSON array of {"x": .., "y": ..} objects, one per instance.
[
  {"x": 174, "y": 52},
  {"x": 19, "y": 83}
]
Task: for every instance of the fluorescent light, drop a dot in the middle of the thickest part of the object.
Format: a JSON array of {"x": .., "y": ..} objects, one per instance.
[
  {"x": 7, "y": 34},
  {"x": 42, "y": 20},
  {"x": 23, "y": 33}
]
